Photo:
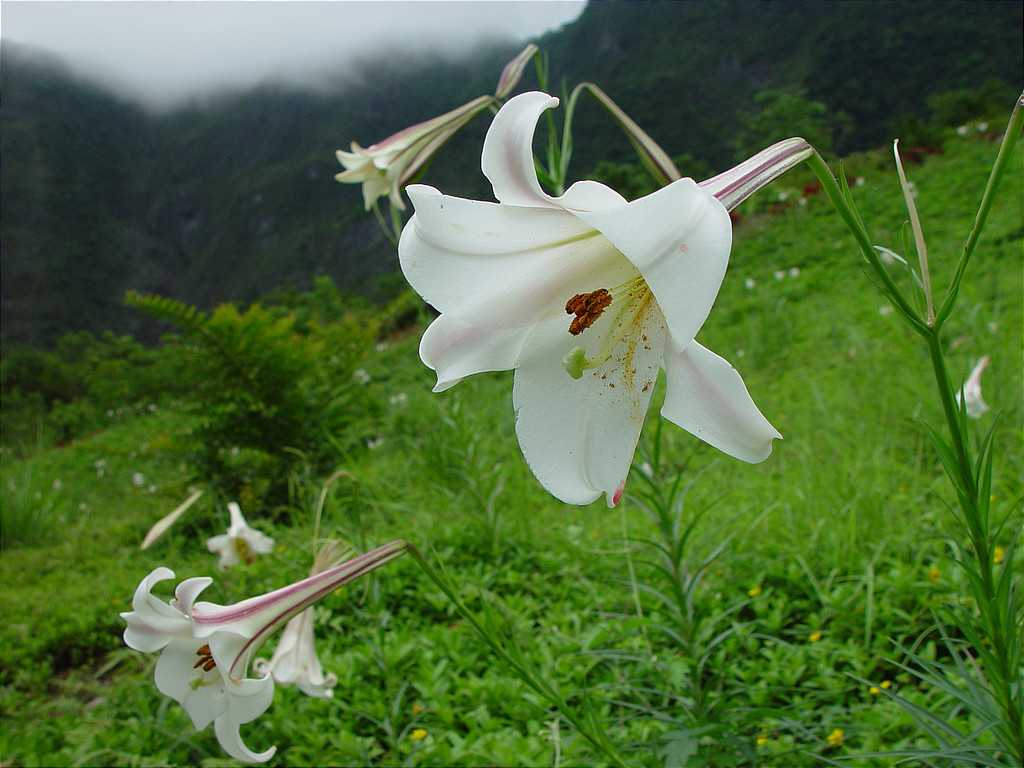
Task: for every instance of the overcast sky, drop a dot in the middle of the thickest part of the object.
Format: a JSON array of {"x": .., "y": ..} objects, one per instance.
[{"x": 164, "y": 52}]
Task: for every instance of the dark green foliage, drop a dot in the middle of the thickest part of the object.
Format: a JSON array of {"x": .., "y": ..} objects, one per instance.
[
  {"x": 778, "y": 114},
  {"x": 268, "y": 386},
  {"x": 81, "y": 386},
  {"x": 227, "y": 200}
]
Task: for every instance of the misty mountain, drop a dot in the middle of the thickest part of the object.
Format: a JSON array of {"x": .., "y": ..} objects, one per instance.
[{"x": 229, "y": 199}]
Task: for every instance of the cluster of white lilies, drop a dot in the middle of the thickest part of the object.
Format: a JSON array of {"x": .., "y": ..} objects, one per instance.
[{"x": 586, "y": 296}]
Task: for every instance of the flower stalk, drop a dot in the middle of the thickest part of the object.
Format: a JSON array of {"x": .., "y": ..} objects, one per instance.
[{"x": 994, "y": 633}]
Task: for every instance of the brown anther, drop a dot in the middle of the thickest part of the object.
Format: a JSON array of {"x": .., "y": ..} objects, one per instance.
[
  {"x": 209, "y": 665},
  {"x": 200, "y": 663},
  {"x": 203, "y": 651},
  {"x": 587, "y": 307}
]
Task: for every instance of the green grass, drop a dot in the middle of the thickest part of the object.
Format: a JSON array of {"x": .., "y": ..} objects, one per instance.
[{"x": 841, "y": 529}]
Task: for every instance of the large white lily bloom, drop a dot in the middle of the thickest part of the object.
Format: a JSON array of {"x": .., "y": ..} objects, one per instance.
[
  {"x": 970, "y": 393},
  {"x": 587, "y": 297},
  {"x": 205, "y": 648},
  {"x": 240, "y": 543}
]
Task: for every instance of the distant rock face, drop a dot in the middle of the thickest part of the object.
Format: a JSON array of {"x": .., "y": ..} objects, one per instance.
[{"x": 231, "y": 200}]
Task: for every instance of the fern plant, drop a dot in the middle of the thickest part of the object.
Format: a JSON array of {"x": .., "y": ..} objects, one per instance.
[{"x": 263, "y": 392}]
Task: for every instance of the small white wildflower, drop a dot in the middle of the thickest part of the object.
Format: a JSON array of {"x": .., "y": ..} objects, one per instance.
[
  {"x": 573, "y": 532},
  {"x": 750, "y": 283},
  {"x": 961, "y": 130},
  {"x": 399, "y": 400},
  {"x": 151, "y": 407},
  {"x": 794, "y": 271},
  {"x": 381, "y": 346},
  {"x": 859, "y": 181},
  {"x": 780, "y": 274},
  {"x": 982, "y": 127},
  {"x": 110, "y": 413},
  {"x": 361, "y": 376},
  {"x": 802, "y": 201},
  {"x": 101, "y": 467},
  {"x": 57, "y": 484},
  {"x": 647, "y": 469},
  {"x": 885, "y": 310},
  {"x": 740, "y": 352},
  {"x": 234, "y": 451},
  {"x": 151, "y": 489},
  {"x": 83, "y": 507},
  {"x": 138, "y": 479},
  {"x": 374, "y": 443},
  {"x": 783, "y": 196}
]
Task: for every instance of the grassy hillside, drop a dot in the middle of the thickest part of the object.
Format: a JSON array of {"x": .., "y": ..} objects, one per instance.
[{"x": 833, "y": 548}]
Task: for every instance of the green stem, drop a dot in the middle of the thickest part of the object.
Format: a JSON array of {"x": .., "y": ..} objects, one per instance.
[
  {"x": 838, "y": 200},
  {"x": 1013, "y": 132},
  {"x": 952, "y": 413},
  {"x": 539, "y": 685}
]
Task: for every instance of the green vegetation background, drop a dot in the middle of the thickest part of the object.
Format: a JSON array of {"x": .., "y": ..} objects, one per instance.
[{"x": 840, "y": 531}]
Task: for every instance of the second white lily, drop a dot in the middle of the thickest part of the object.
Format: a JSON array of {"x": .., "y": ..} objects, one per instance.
[{"x": 636, "y": 279}]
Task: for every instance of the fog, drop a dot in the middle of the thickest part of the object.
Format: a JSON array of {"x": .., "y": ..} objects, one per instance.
[{"x": 163, "y": 53}]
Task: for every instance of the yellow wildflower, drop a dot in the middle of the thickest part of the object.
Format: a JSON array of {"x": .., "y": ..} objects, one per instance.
[
  {"x": 887, "y": 684},
  {"x": 815, "y": 636},
  {"x": 762, "y": 739},
  {"x": 836, "y": 737},
  {"x": 419, "y": 734},
  {"x": 874, "y": 690},
  {"x": 755, "y": 590},
  {"x": 998, "y": 554},
  {"x": 934, "y": 574}
]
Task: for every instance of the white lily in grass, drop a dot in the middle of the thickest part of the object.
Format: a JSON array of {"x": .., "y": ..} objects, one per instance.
[
  {"x": 205, "y": 648},
  {"x": 295, "y": 661},
  {"x": 241, "y": 543},
  {"x": 386, "y": 167},
  {"x": 638, "y": 278},
  {"x": 970, "y": 393}
]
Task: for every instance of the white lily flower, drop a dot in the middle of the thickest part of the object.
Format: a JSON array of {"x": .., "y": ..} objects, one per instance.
[
  {"x": 205, "y": 648},
  {"x": 241, "y": 543},
  {"x": 385, "y": 167},
  {"x": 640, "y": 278},
  {"x": 295, "y": 661},
  {"x": 970, "y": 393}
]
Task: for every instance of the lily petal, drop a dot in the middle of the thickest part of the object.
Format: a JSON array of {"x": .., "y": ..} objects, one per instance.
[
  {"x": 177, "y": 677},
  {"x": 141, "y": 636},
  {"x": 706, "y": 397},
  {"x": 456, "y": 349},
  {"x": 579, "y": 435},
  {"x": 679, "y": 239},
  {"x": 230, "y": 739},
  {"x": 507, "y": 159},
  {"x": 155, "y": 612},
  {"x": 453, "y": 249}
]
